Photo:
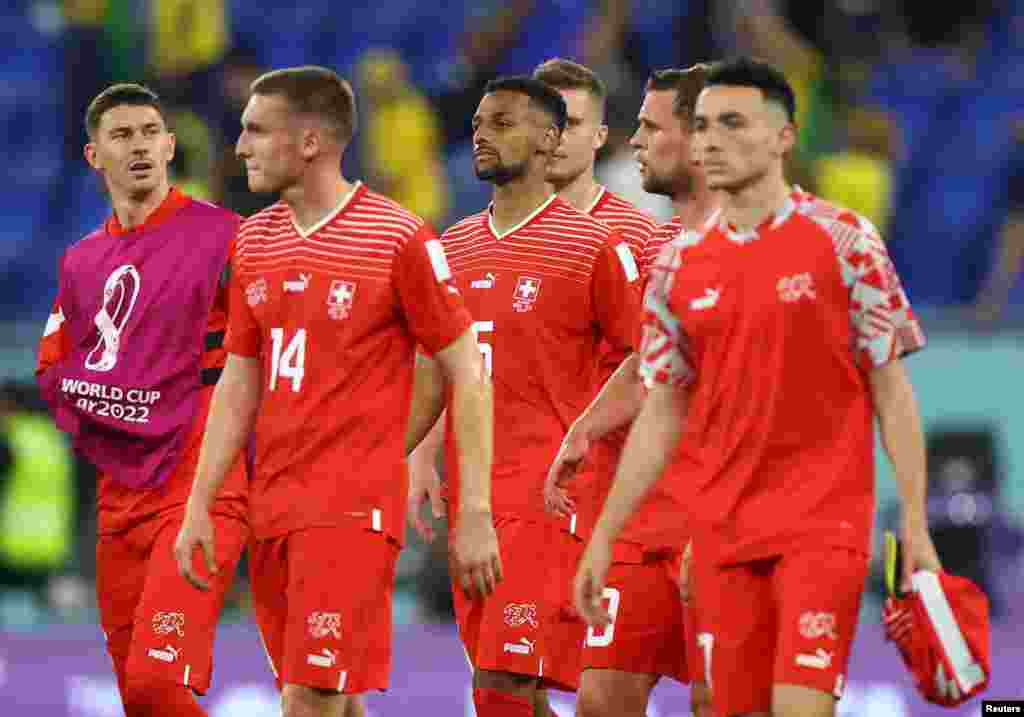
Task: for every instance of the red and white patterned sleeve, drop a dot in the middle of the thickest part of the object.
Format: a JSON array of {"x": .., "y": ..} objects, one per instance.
[
  {"x": 664, "y": 358},
  {"x": 884, "y": 325}
]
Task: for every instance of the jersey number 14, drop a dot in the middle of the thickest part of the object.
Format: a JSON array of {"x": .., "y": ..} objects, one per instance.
[{"x": 287, "y": 362}]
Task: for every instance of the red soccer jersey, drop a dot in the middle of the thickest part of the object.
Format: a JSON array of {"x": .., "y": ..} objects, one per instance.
[
  {"x": 636, "y": 227},
  {"x": 773, "y": 333},
  {"x": 334, "y": 314},
  {"x": 662, "y": 235},
  {"x": 544, "y": 294},
  {"x": 120, "y": 507}
]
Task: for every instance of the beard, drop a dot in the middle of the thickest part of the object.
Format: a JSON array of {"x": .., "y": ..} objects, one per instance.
[
  {"x": 671, "y": 187},
  {"x": 501, "y": 173}
]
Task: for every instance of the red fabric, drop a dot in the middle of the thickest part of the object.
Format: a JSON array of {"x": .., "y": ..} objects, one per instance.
[
  {"x": 334, "y": 315},
  {"x": 545, "y": 296},
  {"x": 512, "y": 630},
  {"x": 773, "y": 333},
  {"x": 907, "y": 623},
  {"x": 324, "y": 613},
  {"x": 157, "y": 625},
  {"x": 648, "y": 633},
  {"x": 788, "y": 620}
]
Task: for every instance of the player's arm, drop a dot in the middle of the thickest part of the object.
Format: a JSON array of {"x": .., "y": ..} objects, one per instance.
[
  {"x": 885, "y": 330},
  {"x": 617, "y": 404},
  {"x": 230, "y": 422},
  {"x": 667, "y": 371},
  {"x": 427, "y": 403},
  {"x": 427, "y": 416},
  {"x": 899, "y": 423},
  {"x": 648, "y": 451},
  {"x": 439, "y": 320},
  {"x": 54, "y": 345}
]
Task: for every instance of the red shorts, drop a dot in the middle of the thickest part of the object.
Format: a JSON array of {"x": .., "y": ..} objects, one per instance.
[
  {"x": 155, "y": 622},
  {"x": 514, "y": 630},
  {"x": 648, "y": 632},
  {"x": 783, "y": 620},
  {"x": 322, "y": 601}
]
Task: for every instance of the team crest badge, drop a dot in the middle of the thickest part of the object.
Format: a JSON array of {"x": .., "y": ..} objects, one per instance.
[
  {"x": 340, "y": 297},
  {"x": 526, "y": 293},
  {"x": 256, "y": 292}
]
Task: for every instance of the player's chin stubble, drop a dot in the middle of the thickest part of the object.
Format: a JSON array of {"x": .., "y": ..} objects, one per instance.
[{"x": 500, "y": 173}]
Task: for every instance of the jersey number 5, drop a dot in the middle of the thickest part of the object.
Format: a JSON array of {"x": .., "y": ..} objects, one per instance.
[{"x": 288, "y": 361}]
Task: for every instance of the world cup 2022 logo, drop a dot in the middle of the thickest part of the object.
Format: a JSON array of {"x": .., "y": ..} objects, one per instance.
[{"x": 119, "y": 296}]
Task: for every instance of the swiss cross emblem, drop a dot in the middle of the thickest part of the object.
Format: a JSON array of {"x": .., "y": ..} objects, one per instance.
[
  {"x": 526, "y": 293},
  {"x": 796, "y": 287},
  {"x": 339, "y": 299}
]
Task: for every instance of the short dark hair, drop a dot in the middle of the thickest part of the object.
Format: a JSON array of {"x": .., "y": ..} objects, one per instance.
[
  {"x": 750, "y": 72},
  {"x": 313, "y": 90},
  {"x": 565, "y": 74},
  {"x": 687, "y": 83},
  {"x": 123, "y": 93},
  {"x": 539, "y": 93}
]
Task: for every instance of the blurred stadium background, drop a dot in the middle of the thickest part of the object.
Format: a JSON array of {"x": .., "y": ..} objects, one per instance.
[{"x": 911, "y": 112}]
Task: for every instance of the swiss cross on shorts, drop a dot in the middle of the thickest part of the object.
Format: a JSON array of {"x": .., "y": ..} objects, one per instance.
[
  {"x": 339, "y": 299},
  {"x": 526, "y": 293}
]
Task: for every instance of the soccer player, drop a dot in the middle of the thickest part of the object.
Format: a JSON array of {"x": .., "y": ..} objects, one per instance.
[
  {"x": 334, "y": 286},
  {"x": 571, "y": 175},
  {"x": 547, "y": 285},
  {"x": 773, "y": 338},
  {"x": 128, "y": 362},
  {"x": 651, "y": 627}
]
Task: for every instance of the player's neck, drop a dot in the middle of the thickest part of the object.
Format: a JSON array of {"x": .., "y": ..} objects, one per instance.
[
  {"x": 581, "y": 192},
  {"x": 695, "y": 207},
  {"x": 316, "y": 197},
  {"x": 749, "y": 206},
  {"x": 132, "y": 212},
  {"x": 515, "y": 201}
]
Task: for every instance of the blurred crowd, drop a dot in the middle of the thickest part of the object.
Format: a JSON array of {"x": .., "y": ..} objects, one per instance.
[{"x": 911, "y": 113}]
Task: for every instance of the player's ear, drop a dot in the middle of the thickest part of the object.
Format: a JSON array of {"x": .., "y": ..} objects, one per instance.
[
  {"x": 89, "y": 152},
  {"x": 311, "y": 142},
  {"x": 552, "y": 137},
  {"x": 788, "y": 136},
  {"x": 172, "y": 144},
  {"x": 600, "y": 137}
]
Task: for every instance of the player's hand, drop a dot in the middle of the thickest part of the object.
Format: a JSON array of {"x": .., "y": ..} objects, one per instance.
[
  {"x": 918, "y": 550},
  {"x": 588, "y": 587},
  {"x": 424, "y": 486},
  {"x": 477, "y": 559},
  {"x": 686, "y": 574},
  {"x": 196, "y": 531},
  {"x": 570, "y": 456}
]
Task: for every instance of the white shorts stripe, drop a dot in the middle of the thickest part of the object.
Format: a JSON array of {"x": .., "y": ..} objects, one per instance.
[{"x": 966, "y": 671}]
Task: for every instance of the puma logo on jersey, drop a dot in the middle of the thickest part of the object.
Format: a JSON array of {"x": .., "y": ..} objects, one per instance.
[
  {"x": 820, "y": 660},
  {"x": 299, "y": 285},
  {"x": 523, "y": 647},
  {"x": 709, "y": 299},
  {"x": 486, "y": 283}
]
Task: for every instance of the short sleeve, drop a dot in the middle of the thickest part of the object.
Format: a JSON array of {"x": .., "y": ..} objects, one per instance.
[
  {"x": 664, "y": 359},
  {"x": 243, "y": 332},
  {"x": 434, "y": 309},
  {"x": 53, "y": 346},
  {"x": 884, "y": 325},
  {"x": 615, "y": 293}
]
